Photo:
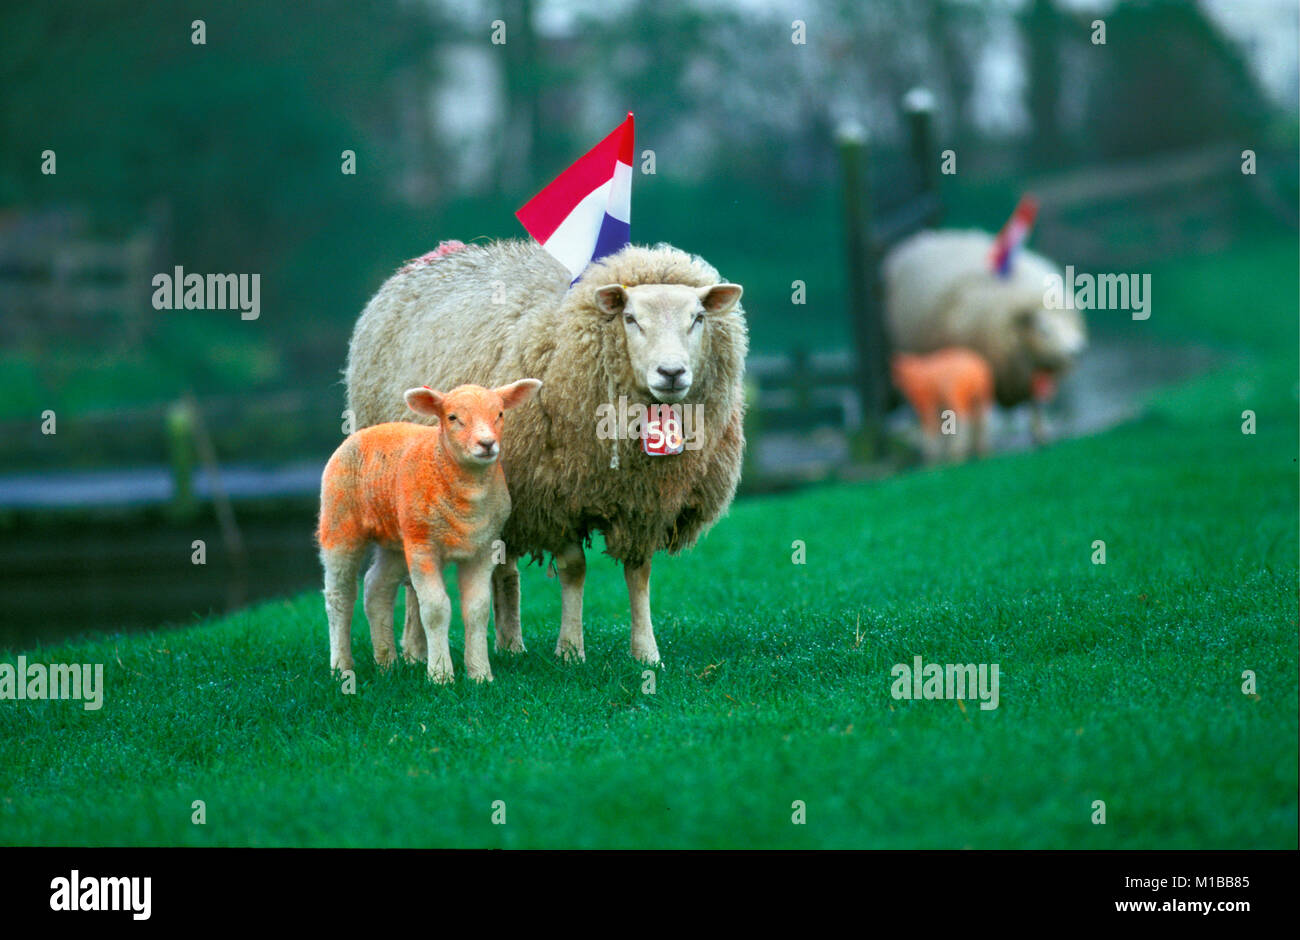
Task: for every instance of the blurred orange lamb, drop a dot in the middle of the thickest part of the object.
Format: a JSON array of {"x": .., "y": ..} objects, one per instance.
[{"x": 955, "y": 380}]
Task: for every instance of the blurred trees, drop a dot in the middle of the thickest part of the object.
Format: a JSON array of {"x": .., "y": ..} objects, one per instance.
[{"x": 238, "y": 142}]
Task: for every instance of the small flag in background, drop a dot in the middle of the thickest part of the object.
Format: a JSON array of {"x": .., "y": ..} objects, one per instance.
[
  {"x": 586, "y": 211},
  {"x": 1013, "y": 236}
]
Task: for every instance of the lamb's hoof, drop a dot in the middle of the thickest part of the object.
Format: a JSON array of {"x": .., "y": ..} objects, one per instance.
[
  {"x": 570, "y": 653},
  {"x": 443, "y": 675},
  {"x": 482, "y": 678},
  {"x": 385, "y": 657},
  {"x": 340, "y": 665},
  {"x": 512, "y": 645},
  {"x": 649, "y": 656}
]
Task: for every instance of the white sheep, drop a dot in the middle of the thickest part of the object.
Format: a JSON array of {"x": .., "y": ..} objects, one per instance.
[
  {"x": 648, "y": 325},
  {"x": 940, "y": 291}
]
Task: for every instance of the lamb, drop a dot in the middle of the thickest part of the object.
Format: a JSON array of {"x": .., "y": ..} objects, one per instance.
[
  {"x": 646, "y": 325},
  {"x": 954, "y": 379},
  {"x": 940, "y": 291},
  {"x": 426, "y": 496}
]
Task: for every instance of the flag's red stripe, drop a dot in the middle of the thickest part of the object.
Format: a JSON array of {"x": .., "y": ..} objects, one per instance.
[{"x": 542, "y": 214}]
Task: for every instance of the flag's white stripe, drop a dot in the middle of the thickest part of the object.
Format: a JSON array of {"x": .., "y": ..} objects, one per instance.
[
  {"x": 574, "y": 239},
  {"x": 620, "y": 195}
]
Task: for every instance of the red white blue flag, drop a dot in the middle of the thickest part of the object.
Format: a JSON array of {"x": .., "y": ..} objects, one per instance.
[
  {"x": 586, "y": 211},
  {"x": 1013, "y": 236}
]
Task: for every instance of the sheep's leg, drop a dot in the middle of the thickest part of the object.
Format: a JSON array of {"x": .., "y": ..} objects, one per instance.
[
  {"x": 572, "y": 565},
  {"x": 414, "y": 648},
  {"x": 435, "y": 611},
  {"x": 1037, "y": 423},
  {"x": 644, "y": 647},
  {"x": 382, "y": 580},
  {"x": 342, "y": 565},
  {"x": 475, "y": 580},
  {"x": 505, "y": 604}
]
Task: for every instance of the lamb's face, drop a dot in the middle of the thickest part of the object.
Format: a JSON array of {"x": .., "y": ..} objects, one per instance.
[
  {"x": 666, "y": 326},
  {"x": 471, "y": 417}
]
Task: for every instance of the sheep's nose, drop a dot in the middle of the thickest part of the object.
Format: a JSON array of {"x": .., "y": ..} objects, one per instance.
[
  {"x": 487, "y": 443},
  {"x": 672, "y": 375}
]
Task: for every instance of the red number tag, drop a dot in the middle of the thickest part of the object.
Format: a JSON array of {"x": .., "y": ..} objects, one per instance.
[{"x": 661, "y": 431}]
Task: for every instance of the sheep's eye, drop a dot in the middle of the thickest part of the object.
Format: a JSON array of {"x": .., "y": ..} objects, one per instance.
[
  {"x": 500, "y": 415},
  {"x": 629, "y": 319},
  {"x": 699, "y": 318},
  {"x": 451, "y": 417}
]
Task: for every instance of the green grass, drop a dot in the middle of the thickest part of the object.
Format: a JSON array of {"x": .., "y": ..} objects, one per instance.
[{"x": 1119, "y": 682}]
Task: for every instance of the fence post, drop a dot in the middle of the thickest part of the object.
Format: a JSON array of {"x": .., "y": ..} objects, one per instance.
[
  {"x": 918, "y": 104},
  {"x": 864, "y": 308}
]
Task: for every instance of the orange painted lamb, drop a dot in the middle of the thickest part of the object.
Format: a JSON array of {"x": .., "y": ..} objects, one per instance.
[
  {"x": 426, "y": 496},
  {"x": 952, "y": 379}
]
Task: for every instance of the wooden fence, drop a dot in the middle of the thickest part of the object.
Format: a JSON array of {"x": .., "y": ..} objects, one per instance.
[{"x": 58, "y": 278}]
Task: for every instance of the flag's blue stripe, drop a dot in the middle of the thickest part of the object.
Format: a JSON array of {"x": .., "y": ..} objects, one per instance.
[{"x": 613, "y": 236}]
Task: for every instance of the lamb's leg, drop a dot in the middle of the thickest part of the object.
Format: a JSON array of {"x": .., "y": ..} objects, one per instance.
[
  {"x": 572, "y": 565},
  {"x": 980, "y": 417},
  {"x": 414, "y": 648},
  {"x": 644, "y": 647},
  {"x": 931, "y": 436},
  {"x": 959, "y": 442},
  {"x": 342, "y": 565},
  {"x": 435, "y": 611},
  {"x": 382, "y": 580},
  {"x": 475, "y": 580},
  {"x": 505, "y": 604}
]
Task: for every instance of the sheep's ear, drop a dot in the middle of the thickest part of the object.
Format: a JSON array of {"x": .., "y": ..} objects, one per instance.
[
  {"x": 425, "y": 401},
  {"x": 516, "y": 393},
  {"x": 720, "y": 298},
  {"x": 611, "y": 299}
]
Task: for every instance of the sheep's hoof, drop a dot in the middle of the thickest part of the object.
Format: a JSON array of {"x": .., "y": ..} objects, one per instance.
[
  {"x": 385, "y": 657},
  {"x": 569, "y": 653},
  {"x": 480, "y": 679},
  {"x": 442, "y": 676},
  {"x": 513, "y": 645},
  {"x": 341, "y": 665}
]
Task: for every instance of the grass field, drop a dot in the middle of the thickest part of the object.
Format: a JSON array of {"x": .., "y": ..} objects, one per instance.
[{"x": 1120, "y": 683}]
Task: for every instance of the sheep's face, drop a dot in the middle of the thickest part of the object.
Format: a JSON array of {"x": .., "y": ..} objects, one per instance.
[
  {"x": 1052, "y": 338},
  {"x": 666, "y": 326},
  {"x": 471, "y": 417}
]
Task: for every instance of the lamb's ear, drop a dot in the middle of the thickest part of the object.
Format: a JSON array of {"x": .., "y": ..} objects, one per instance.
[
  {"x": 516, "y": 393},
  {"x": 611, "y": 299},
  {"x": 425, "y": 401},
  {"x": 720, "y": 298}
]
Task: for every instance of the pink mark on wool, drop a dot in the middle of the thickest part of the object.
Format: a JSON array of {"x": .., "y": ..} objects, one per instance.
[{"x": 444, "y": 248}]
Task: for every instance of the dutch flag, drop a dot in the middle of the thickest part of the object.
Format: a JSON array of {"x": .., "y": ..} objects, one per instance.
[
  {"x": 586, "y": 211},
  {"x": 1013, "y": 236}
]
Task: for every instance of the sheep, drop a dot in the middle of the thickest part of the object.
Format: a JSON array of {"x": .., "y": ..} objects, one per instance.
[
  {"x": 648, "y": 325},
  {"x": 426, "y": 496},
  {"x": 955, "y": 379},
  {"x": 940, "y": 291}
]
